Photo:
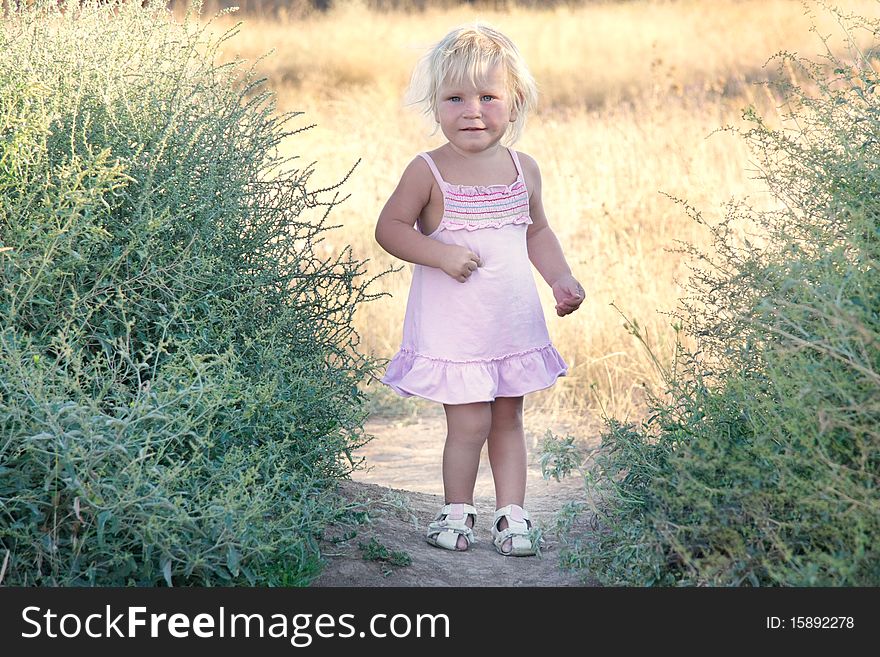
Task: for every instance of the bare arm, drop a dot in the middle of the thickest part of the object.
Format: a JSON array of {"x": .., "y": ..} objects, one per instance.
[
  {"x": 545, "y": 252},
  {"x": 394, "y": 229},
  {"x": 395, "y": 233}
]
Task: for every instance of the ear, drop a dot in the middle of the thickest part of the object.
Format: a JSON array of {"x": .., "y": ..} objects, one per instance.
[{"x": 514, "y": 113}]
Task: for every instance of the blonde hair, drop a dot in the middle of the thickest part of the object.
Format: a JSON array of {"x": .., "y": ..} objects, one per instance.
[{"x": 467, "y": 53}]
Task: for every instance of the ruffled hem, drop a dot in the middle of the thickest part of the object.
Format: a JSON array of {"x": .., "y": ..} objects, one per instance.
[
  {"x": 463, "y": 382},
  {"x": 453, "y": 224},
  {"x": 499, "y": 188}
]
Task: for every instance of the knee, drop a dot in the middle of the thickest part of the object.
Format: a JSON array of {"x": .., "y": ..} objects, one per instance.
[
  {"x": 475, "y": 431},
  {"x": 479, "y": 430},
  {"x": 507, "y": 419},
  {"x": 507, "y": 426}
]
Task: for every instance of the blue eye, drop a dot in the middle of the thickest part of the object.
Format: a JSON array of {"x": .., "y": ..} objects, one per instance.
[
  {"x": 488, "y": 98},
  {"x": 455, "y": 99}
]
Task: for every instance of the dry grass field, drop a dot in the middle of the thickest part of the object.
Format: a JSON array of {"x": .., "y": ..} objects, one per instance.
[{"x": 631, "y": 94}]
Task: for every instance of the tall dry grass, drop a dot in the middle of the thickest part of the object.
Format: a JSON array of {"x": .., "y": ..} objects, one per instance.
[{"x": 630, "y": 94}]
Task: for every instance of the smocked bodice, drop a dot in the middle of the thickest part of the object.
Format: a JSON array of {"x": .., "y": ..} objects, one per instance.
[{"x": 472, "y": 207}]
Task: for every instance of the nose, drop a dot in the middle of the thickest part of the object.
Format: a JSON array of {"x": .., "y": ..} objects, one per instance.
[{"x": 472, "y": 109}]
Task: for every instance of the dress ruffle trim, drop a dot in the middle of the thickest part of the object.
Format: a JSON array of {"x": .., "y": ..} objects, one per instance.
[
  {"x": 500, "y": 188},
  {"x": 458, "y": 224},
  {"x": 464, "y": 382}
]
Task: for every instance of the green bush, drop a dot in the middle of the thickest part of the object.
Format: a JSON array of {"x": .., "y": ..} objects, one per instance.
[
  {"x": 178, "y": 369},
  {"x": 760, "y": 463}
]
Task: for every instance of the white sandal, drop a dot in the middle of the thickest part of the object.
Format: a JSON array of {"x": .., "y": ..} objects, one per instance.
[
  {"x": 518, "y": 532},
  {"x": 451, "y": 523}
]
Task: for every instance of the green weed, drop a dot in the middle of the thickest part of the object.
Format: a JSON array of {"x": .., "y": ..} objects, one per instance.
[
  {"x": 759, "y": 461},
  {"x": 376, "y": 551},
  {"x": 178, "y": 369}
]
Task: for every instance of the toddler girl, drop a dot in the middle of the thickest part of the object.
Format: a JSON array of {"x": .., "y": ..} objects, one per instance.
[{"x": 474, "y": 336}]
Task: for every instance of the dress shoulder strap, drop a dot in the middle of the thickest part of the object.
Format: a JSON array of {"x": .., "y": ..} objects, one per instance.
[
  {"x": 434, "y": 169},
  {"x": 515, "y": 159}
]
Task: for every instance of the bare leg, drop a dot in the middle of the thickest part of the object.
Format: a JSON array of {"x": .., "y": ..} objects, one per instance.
[
  {"x": 507, "y": 454},
  {"x": 467, "y": 427},
  {"x": 507, "y": 451}
]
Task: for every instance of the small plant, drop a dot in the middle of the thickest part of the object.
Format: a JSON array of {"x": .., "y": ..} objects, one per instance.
[
  {"x": 376, "y": 551},
  {"x": 559, "y": 456},
  {"x": 399, "y": 504},
  {"x": 536, "y": 536}
]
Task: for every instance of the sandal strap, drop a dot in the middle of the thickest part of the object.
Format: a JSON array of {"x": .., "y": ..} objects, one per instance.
[
  {"x": 509, "y": 532},
  {"x": 448, "y": 537},
  {"x": 513, "y": 512},
  {"x": 518, "y": 542},
  {"x": 443, "y": 527},
  {"x": 456, "y": 511}
]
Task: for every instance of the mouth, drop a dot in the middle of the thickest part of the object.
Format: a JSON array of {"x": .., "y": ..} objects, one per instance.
[{"x": 472, "y": 129}]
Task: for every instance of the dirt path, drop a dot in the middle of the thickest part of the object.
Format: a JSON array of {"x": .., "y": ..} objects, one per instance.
[{"x": 403, "y": 488}]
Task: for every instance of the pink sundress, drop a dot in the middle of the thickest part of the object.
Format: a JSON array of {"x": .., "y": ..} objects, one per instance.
[{"x": 485, "y": 338}]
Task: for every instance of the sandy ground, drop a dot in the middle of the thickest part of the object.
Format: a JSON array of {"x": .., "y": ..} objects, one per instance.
[{"x": 402, "y": 486}]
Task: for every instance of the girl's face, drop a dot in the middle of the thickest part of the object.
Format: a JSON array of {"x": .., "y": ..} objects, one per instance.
[{"x": 474, "y": 117}]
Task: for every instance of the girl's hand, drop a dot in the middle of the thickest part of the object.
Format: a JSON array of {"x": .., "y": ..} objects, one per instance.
[
  {"x": 568, "y": 294},
  {"x": 459, "y": 262}
]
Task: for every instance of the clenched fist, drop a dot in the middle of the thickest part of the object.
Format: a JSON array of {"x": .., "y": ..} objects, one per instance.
[
  {"x": 459, "y": 262},
  {"x": 568, "y": 294}
]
